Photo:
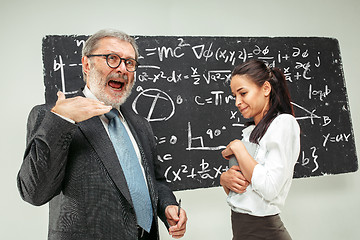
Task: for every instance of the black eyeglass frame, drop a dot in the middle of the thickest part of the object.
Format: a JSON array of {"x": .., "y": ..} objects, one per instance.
[{"x": 121, "y": 59}]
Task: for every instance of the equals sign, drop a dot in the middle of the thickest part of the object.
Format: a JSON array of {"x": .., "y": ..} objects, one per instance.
[
  {"x": 150, "y": 49},
  {"x": 162, "y": 140}
]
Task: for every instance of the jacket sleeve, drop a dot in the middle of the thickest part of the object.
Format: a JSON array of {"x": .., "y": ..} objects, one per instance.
[{"x": 42, "y": 171}]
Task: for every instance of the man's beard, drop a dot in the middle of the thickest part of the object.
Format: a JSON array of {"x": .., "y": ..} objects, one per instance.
[{"x": 98, "y": 83}]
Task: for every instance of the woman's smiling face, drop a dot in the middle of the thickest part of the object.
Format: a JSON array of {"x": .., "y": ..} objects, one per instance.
[{"x": 251, "y": 100}]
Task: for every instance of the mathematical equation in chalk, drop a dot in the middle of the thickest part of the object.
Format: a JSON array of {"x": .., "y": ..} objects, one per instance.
[
  {"x": 203, "y": 171},
  {"x": 301, "y": 67}
]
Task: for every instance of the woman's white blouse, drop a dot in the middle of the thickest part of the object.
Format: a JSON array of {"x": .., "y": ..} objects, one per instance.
[{"x": 276, "y": 154}]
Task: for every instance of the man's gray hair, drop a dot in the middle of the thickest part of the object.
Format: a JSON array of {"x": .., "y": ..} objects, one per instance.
[{"x": 92, "y": 42}]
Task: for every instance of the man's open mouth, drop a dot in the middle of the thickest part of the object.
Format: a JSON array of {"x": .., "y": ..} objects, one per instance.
[{"x": 116, "y": 84}]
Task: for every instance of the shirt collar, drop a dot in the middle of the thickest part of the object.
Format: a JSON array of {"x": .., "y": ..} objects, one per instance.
[
  {"x": 247, "y": 131},
  {"x": 88, "y": 94}
]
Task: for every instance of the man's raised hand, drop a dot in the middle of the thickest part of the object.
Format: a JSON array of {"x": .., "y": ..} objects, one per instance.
[{"x": 79, "y": 108}]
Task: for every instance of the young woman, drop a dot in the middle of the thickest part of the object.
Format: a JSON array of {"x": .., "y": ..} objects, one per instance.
[{"x": 258, "y": 186}]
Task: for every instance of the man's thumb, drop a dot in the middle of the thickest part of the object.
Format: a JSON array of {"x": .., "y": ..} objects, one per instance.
[{"x": 61, "y": 95}]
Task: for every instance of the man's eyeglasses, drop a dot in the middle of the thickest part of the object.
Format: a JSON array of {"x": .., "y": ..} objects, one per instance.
[{"x": 113, "y": 60}]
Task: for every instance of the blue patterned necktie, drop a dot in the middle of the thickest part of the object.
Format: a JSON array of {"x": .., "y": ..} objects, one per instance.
[{"x": 131, "y": 167}]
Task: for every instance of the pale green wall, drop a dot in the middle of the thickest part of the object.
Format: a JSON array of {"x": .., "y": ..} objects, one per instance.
[{"x": 317, "y": 208}]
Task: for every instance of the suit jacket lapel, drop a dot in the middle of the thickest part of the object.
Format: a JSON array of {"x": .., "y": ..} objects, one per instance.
[{"x": 94, "y": 131}]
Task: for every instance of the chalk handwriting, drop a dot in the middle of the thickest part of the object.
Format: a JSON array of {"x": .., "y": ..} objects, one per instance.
[
  {"x": 155, "y": 96},
  {"x": 310, "y": 161},
  {"x": 197, "y": 143},
  {"x": 202, "y": 172}
]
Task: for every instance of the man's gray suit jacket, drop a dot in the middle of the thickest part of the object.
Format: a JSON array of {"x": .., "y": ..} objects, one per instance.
[{"x": 74, "y": 167}]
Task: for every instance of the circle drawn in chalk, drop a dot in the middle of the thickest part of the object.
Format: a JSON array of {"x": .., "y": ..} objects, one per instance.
[{"x": 153, "y": 104}]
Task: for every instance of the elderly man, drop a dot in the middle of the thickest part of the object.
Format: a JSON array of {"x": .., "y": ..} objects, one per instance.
[{"x": 93, "y": 160}]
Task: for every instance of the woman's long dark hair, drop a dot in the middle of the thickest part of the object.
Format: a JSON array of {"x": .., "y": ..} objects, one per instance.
[{"x": 280, "y": 100}]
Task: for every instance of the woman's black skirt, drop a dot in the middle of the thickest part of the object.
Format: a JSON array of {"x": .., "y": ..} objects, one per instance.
[{"x": 247, "y": 227}]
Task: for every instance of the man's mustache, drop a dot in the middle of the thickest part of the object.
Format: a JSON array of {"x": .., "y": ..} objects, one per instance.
[{"x": 118, "y": 75}]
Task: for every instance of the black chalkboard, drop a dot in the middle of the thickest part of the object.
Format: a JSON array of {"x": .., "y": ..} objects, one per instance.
[{"x": 182, "y": 88}]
